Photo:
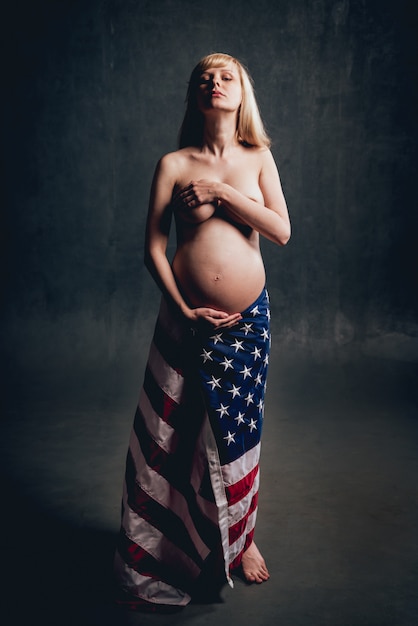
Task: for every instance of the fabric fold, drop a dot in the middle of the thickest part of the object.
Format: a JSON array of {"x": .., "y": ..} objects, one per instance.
[{"x": 192, "y": 471}]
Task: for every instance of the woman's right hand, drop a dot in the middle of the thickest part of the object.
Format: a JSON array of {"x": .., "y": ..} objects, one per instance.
[
  {"x": 216, "y": 319},
  {"x": 187, "y": 206}
]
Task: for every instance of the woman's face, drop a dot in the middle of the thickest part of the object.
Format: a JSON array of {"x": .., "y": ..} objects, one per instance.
[{"x": 219, "y": 88}]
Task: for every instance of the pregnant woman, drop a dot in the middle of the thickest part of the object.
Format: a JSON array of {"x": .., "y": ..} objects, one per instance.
[{"x": 192, "y": 473}]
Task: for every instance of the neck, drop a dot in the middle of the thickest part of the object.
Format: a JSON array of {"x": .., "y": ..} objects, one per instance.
[{"x": 219, "y": 134}]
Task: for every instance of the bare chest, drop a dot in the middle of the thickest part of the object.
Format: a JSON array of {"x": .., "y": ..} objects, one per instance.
[{"x": 242, "y": 176}]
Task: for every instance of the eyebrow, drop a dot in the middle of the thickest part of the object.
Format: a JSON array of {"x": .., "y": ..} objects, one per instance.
[{"x": 222, "y": 69}]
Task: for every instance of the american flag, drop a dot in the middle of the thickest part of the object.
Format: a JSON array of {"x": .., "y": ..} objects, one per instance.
[{"x": 192, "y": 469}]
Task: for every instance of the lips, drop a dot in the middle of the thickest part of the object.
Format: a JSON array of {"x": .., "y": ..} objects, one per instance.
[{"x": 216, "y": 93}]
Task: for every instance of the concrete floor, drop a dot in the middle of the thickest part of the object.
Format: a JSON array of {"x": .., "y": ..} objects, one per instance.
[{"x": 338, "y": 520}]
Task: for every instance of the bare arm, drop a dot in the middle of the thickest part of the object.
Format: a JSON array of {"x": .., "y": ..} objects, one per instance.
[
  {"x": 156, "y": 240},
  {"x": 271, "y": 219}
]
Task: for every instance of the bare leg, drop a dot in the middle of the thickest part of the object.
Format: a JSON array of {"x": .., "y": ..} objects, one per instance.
[{"x": 254, "y": 566}]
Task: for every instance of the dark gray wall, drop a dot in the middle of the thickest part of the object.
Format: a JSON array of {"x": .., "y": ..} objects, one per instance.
[{"x": 94, "y": 95}]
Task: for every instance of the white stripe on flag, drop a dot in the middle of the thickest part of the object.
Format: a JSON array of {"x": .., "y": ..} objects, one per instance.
[
  {"x": 238, "y": 510},
  {"x": 236, "y": 470},
  {"x": 238, "y": 546},
  {"x": 161, "y": 432},
  {"x": 147, "y": 588},
  {"x": 160, "y": 490},
  {"x": 145, "y": 535},
  {"x": 170, "y": 381}
]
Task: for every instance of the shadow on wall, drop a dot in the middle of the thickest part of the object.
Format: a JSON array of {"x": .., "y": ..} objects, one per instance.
[{"x": 82, "y": 135}]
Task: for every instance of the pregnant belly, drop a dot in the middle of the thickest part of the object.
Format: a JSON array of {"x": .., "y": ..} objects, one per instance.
[{"x": 219, "y": 267}]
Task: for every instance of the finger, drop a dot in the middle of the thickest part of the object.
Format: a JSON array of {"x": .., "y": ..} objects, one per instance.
[
  {"x": 191, "y": 198},
  {"x": 180, "y": 194},
  {"x": 228, "y": 324},
  {"x": 235, "y": 317},
  {"x": 178, "y": 201},
  {"x": 188, "y": 189},
  {"x": 217, "y": 314},
  {"x": 209, "y": 316},
  {"x": 231, "y": 320},
  {"x": 181, "y": 190}
]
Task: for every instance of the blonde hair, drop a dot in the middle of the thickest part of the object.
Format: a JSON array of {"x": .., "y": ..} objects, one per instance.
[{"x": 250, "y": 128}]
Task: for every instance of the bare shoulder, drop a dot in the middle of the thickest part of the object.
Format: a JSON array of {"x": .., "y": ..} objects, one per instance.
[
  {"x": 265, "y": 155},
  {"x": 173, "y": 162},
  {"x": 169, "y": 161},
  {"x": 268, "y": 165},
  {"x": 260, "y": 156}
]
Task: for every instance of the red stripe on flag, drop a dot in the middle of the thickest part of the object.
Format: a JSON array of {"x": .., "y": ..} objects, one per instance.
[
  {"x": 175, "y": 469},
  {"x": 169, "y": 349},
  {"x": 238, "y": 529},
  {"x": 237, "y": 561},
  {"x": 162, "y": 404},
  {"x": 164, "y": 520},
  {"x": 143, "y": 562},
  {"x": 240, "y": 489}
]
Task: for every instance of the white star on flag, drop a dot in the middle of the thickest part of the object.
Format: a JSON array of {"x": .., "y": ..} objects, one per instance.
[
  {"x": 258, "y": 380},
  {"x": 240, "y": 418},
  {"x": 246, "y": 371},
  {"x": 249, "y": 398},
  {"x": 247, "y": 328},
  {"x": 230, "y": 437},
  {"x": 257, "y": 353},
  {"x": 217, "y": 338},
  {"x": 268, "y": 314},
  {"x": 206, "y": 355},
  {"x": 254, "y": 311},
  {"x": 252, "y": 425},
  {"x": 237, "y": 345},
  {"x": 260, "y": 404},
  {"x": 265, "y": 333},
  {"x": 214, "y": 382},
  {"x": 234, "y": 391},
  {"x": 266, "y": 359},
  {"x": 226, "y": 363},
  {"x": 223, "y": 410}
]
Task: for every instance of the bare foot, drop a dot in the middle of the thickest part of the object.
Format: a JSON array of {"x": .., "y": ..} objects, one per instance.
[{"x": 254, "y": 566}]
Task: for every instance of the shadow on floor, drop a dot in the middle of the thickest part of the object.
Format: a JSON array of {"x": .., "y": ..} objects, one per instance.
[
  {"x": 54, "y": 571},
  {"x": 338, "y": 501}
]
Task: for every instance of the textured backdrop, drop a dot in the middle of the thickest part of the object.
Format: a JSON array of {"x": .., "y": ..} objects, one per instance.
[{"x": 93, "y": 95}]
